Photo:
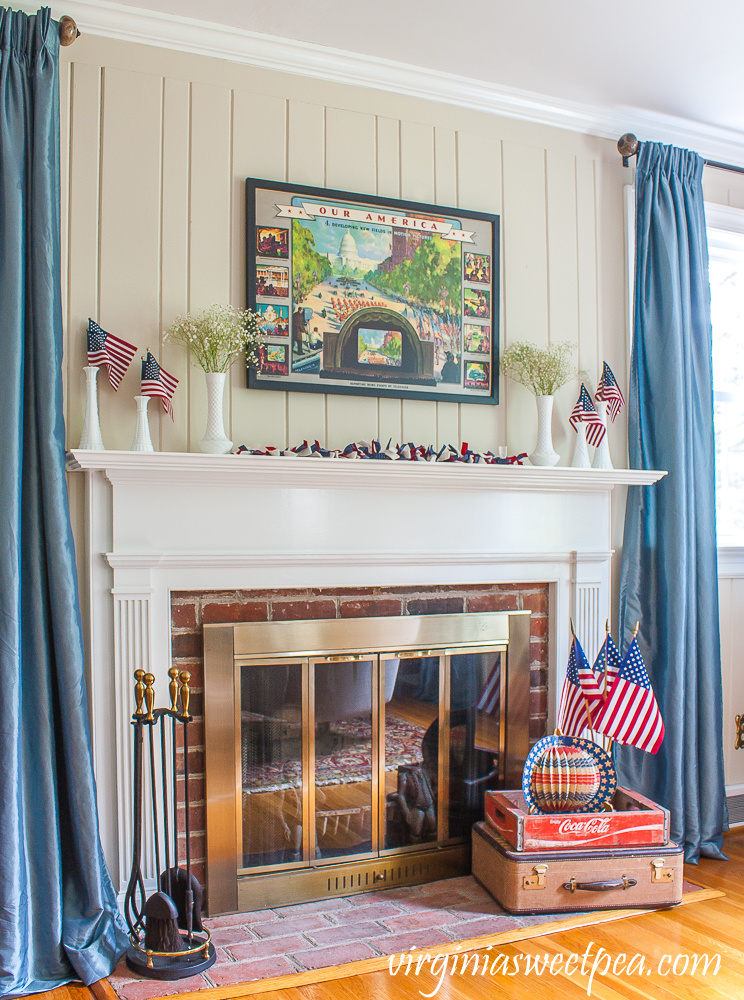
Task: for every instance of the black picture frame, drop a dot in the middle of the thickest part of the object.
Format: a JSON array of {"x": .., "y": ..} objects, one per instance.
[{"x": 380, "y": 301}]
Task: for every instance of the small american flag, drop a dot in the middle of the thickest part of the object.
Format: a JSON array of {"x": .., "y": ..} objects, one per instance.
[
  {"x": 630, "y": 714},
  {"x": 609, "y": 391},
  {"x": 580, "y": 689},
  {"x": 585, "y": 411},
  {"x": 106, "y": 350},
  {"x": 156, "y": 381},
  {"x": 607, "y": 665},
  {"x": 489, "y": 698}
]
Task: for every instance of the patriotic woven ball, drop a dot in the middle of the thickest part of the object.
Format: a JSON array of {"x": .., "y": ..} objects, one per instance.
[
  {"x": 564, "y": 777},
  {"x": 568, "y": 774}
]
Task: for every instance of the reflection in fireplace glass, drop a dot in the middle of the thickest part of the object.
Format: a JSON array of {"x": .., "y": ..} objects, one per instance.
[
  {"x": 475, "y": 701},
  {"x": 411, "y": 750},
  {"x": 271, "y": 758},
  {"x": 343, "y": 758}
]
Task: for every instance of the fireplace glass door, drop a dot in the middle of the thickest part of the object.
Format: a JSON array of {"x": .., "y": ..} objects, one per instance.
[
  {"x": 361, "y": 754},
  {"x": 344, "y": 756},
  {"x": 271, "y": 763}
]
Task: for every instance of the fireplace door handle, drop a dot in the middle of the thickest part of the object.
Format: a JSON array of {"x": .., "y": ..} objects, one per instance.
[{"x": 415, "y": 654}]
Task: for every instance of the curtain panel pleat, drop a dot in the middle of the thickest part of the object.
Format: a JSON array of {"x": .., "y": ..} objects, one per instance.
[
  {"x": 669, "y": 575},
  {"x": 58, "y": 915}
]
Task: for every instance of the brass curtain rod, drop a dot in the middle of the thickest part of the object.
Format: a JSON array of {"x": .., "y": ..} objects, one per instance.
[
  {"x": 68, "y": 30},
  {"x": 628, "y": 145}
]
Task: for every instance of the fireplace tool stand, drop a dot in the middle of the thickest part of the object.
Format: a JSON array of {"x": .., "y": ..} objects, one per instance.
[{"x": 168, "y": 939}]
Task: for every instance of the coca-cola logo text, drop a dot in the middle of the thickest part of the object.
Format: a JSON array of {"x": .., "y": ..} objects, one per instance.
[{"x": 584, "y": 827}]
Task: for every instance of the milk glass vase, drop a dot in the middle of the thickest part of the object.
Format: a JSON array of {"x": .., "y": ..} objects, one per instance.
[
  {"x": 602, "y": 458},
  {"x": 544, "y": 453},
  {"x": 215, "y": 339},
  {"x": 91, "y": 439},
  {"x": 215, "y": 440}
]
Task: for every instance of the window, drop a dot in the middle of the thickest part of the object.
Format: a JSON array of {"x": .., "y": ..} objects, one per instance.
[
  {"x": 725, "y": 228},
  {"x": 726, "y": 251}
]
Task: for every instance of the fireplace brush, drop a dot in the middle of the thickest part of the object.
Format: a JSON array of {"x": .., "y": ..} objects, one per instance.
[{"x": 158, "y": 948}]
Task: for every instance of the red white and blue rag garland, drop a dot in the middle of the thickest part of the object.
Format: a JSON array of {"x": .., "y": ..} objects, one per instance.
[{"x": 408, "y": 452}]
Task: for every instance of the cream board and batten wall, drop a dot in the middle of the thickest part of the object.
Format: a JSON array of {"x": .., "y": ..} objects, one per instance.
[
  {"x": 159, "y": 146},
  {"x": 155, "y": 149}
]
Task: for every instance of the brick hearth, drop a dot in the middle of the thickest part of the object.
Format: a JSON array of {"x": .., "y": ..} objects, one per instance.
[{"x": 191, "y": 610}]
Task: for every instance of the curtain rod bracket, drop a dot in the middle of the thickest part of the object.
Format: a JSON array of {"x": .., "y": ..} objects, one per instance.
[
  {"x": 627, "y": 146},
  {"x": 68, "y": 30}
]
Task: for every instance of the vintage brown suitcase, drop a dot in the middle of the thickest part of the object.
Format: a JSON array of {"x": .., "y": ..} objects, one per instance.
[{"x": 560, "y": 881}]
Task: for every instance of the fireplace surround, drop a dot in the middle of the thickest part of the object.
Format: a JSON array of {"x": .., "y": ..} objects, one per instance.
[{"x": 155, "y": 525}]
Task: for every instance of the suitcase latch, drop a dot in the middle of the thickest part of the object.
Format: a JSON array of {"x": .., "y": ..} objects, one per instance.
[
  {"x": 537, "y": 879},
  {"x": 658, "y": 875}
]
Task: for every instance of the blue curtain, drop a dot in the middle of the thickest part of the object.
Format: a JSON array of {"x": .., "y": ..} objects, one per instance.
[
  {"x": 669, "y": 579},
  {"x": 58, "y": 915}
]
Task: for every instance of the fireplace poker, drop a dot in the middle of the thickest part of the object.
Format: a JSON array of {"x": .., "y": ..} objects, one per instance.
[
  {"x": 132, "y": 911},
  {"x": 186, "y": 718}
]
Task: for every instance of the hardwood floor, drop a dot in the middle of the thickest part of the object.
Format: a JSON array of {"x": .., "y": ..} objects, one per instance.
[{"x": 712, "y": 927}]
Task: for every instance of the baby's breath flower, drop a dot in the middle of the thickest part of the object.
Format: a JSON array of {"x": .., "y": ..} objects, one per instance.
[
  {"x": 216, "y": 337},
  {"x": 542, "y": 370}
]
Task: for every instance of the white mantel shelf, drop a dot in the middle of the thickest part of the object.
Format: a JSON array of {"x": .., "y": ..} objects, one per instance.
[{"x": 186, "y": 468}]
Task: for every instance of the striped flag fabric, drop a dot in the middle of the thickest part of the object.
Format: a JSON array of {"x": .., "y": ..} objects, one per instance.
[
  {"x": 585, "y": 411},
  {"x": 630, "y": 714},
  {"x": 110, "y": 352},
  {"x": 607, "y": 665},
  {"x": 156, "y": 381},
  {"x": 609, "y": 392},
  {"x": 581, "y": 690},
  {"x": 489, "y": 699}
]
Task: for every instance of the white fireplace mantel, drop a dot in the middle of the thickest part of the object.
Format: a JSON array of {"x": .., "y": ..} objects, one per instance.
[{"x": 159, "y": 522}]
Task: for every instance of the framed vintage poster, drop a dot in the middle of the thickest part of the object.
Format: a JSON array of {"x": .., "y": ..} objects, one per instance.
[{"x": 372, "y": 296}]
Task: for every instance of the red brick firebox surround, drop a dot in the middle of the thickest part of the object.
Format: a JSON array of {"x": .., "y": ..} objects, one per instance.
[{"x": 193, "y": 609}]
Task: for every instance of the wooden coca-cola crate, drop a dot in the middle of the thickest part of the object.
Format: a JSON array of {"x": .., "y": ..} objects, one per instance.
[{"x": 634, "y": 821}]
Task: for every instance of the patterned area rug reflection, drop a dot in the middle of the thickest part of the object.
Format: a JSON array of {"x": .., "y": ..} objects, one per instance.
[
  {"x": 344, "y": 755},
  {"x": 336, "y": 931}
]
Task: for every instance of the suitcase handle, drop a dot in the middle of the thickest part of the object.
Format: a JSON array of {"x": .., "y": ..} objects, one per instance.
[{"x": 601, "y": 886}]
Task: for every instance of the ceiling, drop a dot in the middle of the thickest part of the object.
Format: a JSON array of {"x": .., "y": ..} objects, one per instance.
[{"x": 680, "y": 58}]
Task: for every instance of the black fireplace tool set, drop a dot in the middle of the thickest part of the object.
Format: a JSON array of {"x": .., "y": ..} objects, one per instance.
[{"x": 168, "y": 939}]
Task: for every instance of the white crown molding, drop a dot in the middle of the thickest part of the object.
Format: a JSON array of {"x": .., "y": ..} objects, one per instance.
[{"x": 185, "y": 34}]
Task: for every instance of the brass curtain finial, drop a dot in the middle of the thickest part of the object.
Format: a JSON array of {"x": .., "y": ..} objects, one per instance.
[
  {"x": 627, "y": 146},
  {"x": 68, "y": 30}
]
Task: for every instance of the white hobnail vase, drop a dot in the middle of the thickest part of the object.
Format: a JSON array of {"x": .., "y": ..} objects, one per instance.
[
  {"x": 215, "y": 441},
  {"x": 581, "y": 450},
  {"x": 91, "y": 439},
  {"x": 142, "y": 440},
  {"x": 544, "y": 453},
  {"x": 602, "y": 458}
]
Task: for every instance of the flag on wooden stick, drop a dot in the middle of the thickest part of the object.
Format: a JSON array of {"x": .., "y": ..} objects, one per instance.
[
  {"x": 156, "y": 381},
  {"x": 607, "y": 665},
  {"x": 630, "y": 714},
  {"x": 581, "y": 695},
  {"x": 110, "y": 352},
  {"x": 609, "y": 391},
  {"x": 585, "y": 411}
]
